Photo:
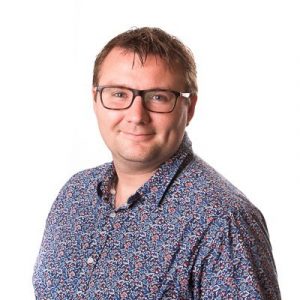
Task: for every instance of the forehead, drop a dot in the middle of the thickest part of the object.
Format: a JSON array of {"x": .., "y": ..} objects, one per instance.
[{"x": 125, "y": 66}]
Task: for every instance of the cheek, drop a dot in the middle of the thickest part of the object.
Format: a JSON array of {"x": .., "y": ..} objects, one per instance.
[
  {"x": 107, "y": 125},
  {"x": 174, "y": 124},
  {"x": 107, "y": 119},
  {"x": 179, "y": 119}
]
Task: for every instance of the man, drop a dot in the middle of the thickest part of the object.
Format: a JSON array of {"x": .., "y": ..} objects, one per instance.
[{"x": 157, "y": 222}]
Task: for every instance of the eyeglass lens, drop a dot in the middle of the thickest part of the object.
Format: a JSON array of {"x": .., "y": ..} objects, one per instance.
[{"x": 122, "y": 98}]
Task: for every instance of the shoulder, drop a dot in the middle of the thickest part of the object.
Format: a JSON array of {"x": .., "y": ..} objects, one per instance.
[
  {"x": 88, "y": 175},
  {"x": 81, "y": 180},
  {"x": 222, "y": 211},
  {"x": 80, "y": 187},
  {"x": 211, "y": 195}
]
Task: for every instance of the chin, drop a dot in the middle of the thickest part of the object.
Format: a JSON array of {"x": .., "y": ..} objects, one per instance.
[{"x": 140, "y": 156}]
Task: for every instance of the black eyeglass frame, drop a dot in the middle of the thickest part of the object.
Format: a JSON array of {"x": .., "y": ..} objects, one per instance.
[{"x": 141, "y": 93}]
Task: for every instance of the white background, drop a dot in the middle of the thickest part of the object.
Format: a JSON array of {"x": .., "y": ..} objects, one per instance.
[{"x": 246, "y": 125}]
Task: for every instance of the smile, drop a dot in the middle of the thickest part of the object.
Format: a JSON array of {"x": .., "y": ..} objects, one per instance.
[{"x": 137, "y": 136}]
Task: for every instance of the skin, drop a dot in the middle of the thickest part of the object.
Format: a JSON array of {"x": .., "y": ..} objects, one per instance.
[{"x": 140, "y": 140}]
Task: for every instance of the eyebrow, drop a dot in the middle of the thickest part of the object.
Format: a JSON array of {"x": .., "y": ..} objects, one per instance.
[{"x": 130, "y": 87}]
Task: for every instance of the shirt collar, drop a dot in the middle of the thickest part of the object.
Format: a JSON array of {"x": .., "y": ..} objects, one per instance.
[
  {"x": 156, "y": 187},
  {"x": 106, "y": 182}
]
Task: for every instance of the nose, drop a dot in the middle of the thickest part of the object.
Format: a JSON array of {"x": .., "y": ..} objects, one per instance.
[{"x": 137, "y": 113}]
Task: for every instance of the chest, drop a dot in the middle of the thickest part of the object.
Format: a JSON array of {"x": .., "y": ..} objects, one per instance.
[{"x": 134, "y": 252}]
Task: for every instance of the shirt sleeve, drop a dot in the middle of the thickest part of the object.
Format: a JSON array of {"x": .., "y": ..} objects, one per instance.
[
  {"x": 45, "y": 276},
  {"x": 235, "y": 260}
]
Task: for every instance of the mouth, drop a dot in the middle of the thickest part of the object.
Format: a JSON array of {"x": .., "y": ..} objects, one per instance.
[{"x": 137, "y": 136}]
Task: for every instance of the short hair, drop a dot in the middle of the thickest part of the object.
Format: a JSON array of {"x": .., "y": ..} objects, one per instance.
[{"x": 153, "y": 41}]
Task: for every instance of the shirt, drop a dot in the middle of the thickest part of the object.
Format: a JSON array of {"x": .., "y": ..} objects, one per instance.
[{"x": 187, "y": 233}]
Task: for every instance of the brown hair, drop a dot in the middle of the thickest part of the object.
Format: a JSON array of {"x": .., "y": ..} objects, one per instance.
[{"x": 153, "y": 41}]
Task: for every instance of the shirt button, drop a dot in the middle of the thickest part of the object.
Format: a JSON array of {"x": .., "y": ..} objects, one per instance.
[
  {"x": 112, "y": 215},
  {"x": 90, "y": 260}
]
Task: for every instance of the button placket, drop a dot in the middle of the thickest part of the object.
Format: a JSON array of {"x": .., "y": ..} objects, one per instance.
[
  {"x": 90, "y": 260},
  {"x": 113, "y": 214}
]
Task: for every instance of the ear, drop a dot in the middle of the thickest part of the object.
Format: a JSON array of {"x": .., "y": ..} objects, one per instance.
[
  {"x": 94, "y": 97},
  {"x": 191, "y": 108}
]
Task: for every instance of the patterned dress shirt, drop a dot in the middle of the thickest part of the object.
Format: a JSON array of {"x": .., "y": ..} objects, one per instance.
[{"x": 187, "y": 233}]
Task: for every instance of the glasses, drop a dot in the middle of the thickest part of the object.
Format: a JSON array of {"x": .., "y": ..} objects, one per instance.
[{"x": 154, "y": 100}]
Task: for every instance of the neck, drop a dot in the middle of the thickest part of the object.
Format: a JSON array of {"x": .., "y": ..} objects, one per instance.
[{"x": 129, "y": 181}]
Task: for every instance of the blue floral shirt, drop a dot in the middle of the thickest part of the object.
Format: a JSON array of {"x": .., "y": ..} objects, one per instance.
[{"x": 187, "y": 233}]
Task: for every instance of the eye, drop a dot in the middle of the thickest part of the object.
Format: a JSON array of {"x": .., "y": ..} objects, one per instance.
[
  {"x": 119, "y": 94},
  {"x": 160, "y": 97}
]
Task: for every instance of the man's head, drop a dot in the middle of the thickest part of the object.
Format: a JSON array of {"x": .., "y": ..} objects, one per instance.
[
  {"x": 144, "y": 96},
  {"x": 152, "y": 41}
]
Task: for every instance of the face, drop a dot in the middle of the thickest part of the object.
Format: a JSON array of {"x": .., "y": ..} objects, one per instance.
[{"x": 137, "y": 138}]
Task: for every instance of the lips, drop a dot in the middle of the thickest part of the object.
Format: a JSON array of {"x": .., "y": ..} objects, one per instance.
[{"x": 137, "y": 136}]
